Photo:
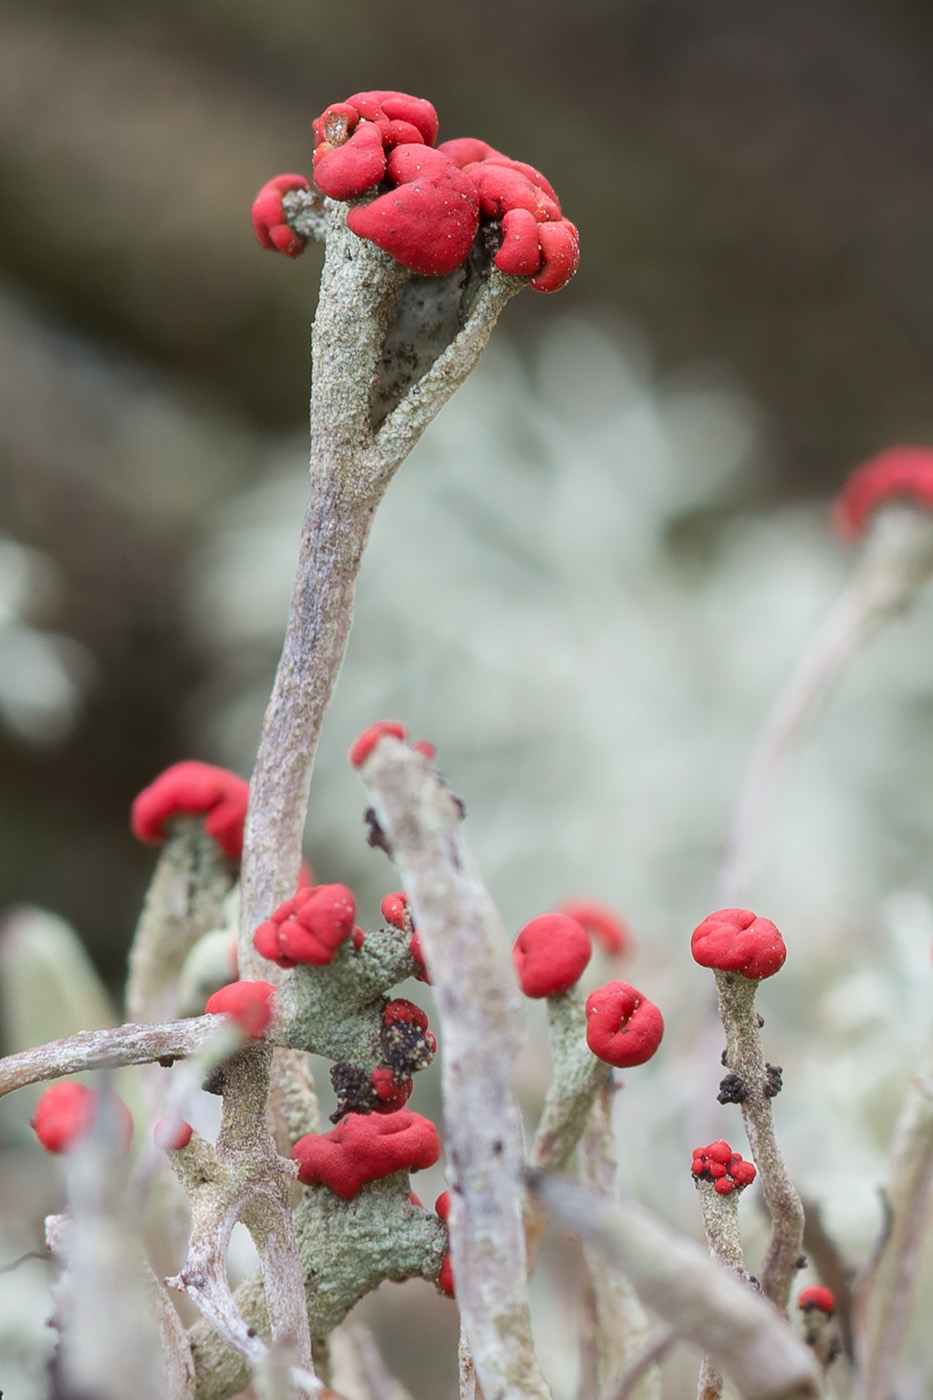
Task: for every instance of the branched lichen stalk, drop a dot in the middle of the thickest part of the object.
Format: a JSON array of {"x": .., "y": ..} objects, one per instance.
[
  {"x": 721, "y": 1223},
  {"x": 467, "y": 953},
  {"x": 351, "y": 466},
  {"x": 115, "y": 1046},
  {"x": 577, "y": 1079},
  {"x": 886, "y": 1292},
  {"x": 676, "y": 1279},
  {"x": 745, "y": 1059}
]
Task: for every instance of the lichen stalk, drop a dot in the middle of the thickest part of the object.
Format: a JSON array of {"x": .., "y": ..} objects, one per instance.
[
  {"x": 744, "y": 1057},
  {"x": 467, "y": 953},
  {"x": 129, "y": 1044},
  {"x": 621, "y": 1325},
  {"x": 676, "y": 1279},
  {"x": 896, "y": 563},
  {"x": 721, "y": 1224},
  {"x": 578, "y": 1076},
  {"x": 350, "y": 467},
  {"x": 185, "y": 899},
  {"x": 885, "y": 1293}
]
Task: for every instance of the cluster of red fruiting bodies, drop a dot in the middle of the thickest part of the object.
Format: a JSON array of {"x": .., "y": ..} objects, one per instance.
[
  {"x": 550, "y": 953},
  {"x": 727, "y": 1170},
  {"x": 424, "y": 204}
]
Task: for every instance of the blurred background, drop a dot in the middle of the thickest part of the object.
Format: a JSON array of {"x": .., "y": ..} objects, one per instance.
[{"x": 600, "y": 562}]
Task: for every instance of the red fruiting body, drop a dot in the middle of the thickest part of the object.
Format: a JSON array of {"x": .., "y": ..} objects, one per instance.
[
  {"x": 367, "y": 741},
  {"x": 549, "y": 954},
  {"x": 415, "y": 950},
  {"x": 309, "y": 928},
  {"x": 445, "y": 1279},
  {"x": 394, "y": 909},
  {"x": 623, "y": 1027},
  {"x": 560, "y": 255},
  {"x": 520, "y": 254},
  {"x": 248, "y": 1003},
  {"x": 406, "y": 1011},
  {"x": 898, "y": 473},
  {"x": 601, "y": 923},
  {"x": 817, "y": 1296},
  {"x": 391, "y": 1095},
  {"x": 428, "y": 217},
  {"x": 364, "y": 1148},
  {"x": 356, "y": 165},
  {"x": 172, "y": 1134},
  {"x": 429, "y": 220},
  {"x": 391, "y": 106},
  {"x": 727, "y": 1170},
  {"x": 269, "y": 221},
  {"x": 736, "y": 940},
  {"x": 191, "y": 789},
  {"x": 425, "y": 748},
  {"x": 66, "y": 1111},
  {"x": 466, "y": 150}
]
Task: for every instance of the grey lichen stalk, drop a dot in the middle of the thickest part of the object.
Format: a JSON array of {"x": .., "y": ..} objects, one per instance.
[
  {"x": 576, "y": 1081},
  {"x": 353, "y": 457},
  {"x": 347, "y": 1248},
  {"x": 335, "y": 1010},
  {"x": 676, "y": 1280},
  {"x": 479, "y": 1010},
  {"x": 745, "y": 1059},
  {"x": 184, "y": 901}
]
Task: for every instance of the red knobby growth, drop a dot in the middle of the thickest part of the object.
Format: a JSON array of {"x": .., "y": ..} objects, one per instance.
[
  {"x": 391, "y": 1093},
  {"x": 727, "y": 1170},
  {"x": 172, "y": 1134},
  {"x": 309, "y": 928},
  {"x": 191, "y": 789},
  {"x": 248, "y": 1003},
  {"x": 394, "y": 909},
  {"x": 270, "y": 223},
  {"x": 353, "y": 137},
  {"x": 416, "y": 952},
  {"x": 365, "y": 743},
  {"x": 601, "y": 923},
  {"x": 364, "y": 1148},
  {"x": 904, "y": 473},
  {"x": 537, "y": 241},
  {"x": 817, "y": 1296},
  {"x": 549, "y": 954},
  {"x": 426, "y": 202},
  {"x": 428, "y": 221},
  {"x": 736, "y": 940},
  {"x": 445, "y": 1279},
  {"x": 405, "y": 1012},
  {"x": 66, "y": 1111},
  {"x": 623, "y": 1027}
]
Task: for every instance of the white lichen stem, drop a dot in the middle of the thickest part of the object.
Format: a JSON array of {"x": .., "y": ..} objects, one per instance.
[
  {"x": 745, "y": 1059},
  {"x": 896, "y": 562},
  {"x": 110, "y": 1048},
  {"x": 885, "y": 1293},
  {"x": 350, "y": 467},
  {"x": 467, "y": 953}
]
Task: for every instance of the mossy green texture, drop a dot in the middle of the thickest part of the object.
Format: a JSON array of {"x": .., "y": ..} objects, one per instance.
[
  {"x": 347, "y": 1248},
  {"x": 336, "y": 1010}
]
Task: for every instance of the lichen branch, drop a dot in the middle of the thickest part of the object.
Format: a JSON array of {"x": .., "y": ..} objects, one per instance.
[
  {"x": 745, "y": 1059},
  {"x": 467, "y": 954}
]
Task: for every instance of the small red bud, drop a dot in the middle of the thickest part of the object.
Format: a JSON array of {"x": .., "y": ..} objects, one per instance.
[
  {"x": 248, "y": 1003},
  {"x": 172, "y": 1134},
  {"x": 365, "y": 743}
]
